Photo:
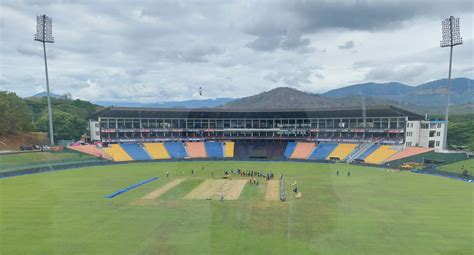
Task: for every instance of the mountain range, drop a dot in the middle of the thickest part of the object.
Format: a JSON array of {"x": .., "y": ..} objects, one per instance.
[
  {"x": 429, "y": 94},
  {"x": 203, "y": 103},
  {"x": 429, "y": 98}
]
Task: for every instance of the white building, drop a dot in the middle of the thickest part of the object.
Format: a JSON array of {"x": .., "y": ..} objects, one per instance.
[{"x": 426, "y": 133}]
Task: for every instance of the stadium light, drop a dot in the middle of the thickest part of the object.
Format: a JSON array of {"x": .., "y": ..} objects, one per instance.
[
  {"x": 451, "y": 36},
  {"x": 44, "y": 34}
]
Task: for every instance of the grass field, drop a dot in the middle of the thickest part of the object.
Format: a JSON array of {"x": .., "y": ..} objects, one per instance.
[
  {"x": 370, "y": 212},
  {"x": 19, "y": 159},
  {"x": 456, "y": 167}
]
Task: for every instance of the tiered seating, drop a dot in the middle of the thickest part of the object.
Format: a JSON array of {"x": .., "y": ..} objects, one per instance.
[
  {"x": 196, "y": 150},
  {"x": 342, "y": 151},
  {"x": 214, "y": 149},
  {"x": 302, "y": 150},
  {"x": 136, "y": 151},
  {"x": 361, "y": 148},
  {"x": 229, "y": 149},
  {"x": 117, "y": 153},
  {"x": 380, "y": 155},
  {"x": 408, "y": 152},
  {"x": 157, "y": 150},
  {"x": 322, "y": 151},
  {"x": 91, "y": 150},
  {"x": 289, "y": 149},
  {"x": 368, "y": 152},
  {"x": 176, "y": 149}
]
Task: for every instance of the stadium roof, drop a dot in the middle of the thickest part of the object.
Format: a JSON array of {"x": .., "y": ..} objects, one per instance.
[{"x": 371, "y": 111}]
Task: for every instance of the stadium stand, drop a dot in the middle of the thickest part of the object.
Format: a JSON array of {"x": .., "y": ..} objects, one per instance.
[
  {"x": 91, "y": 150},
  {"x": 196, "y": 150},
  {"x": 245, "y": 150},
  {"x": 368, "y": 152},
  {"x": 117, "y": 153},
  {"x": 135, "y": 151},
  {"x": 176, "y": 149},
  {"x": 276, "y": 150},
  {"x": 214, "y": 149},
  {"x": 342, "y": 151},
  {"x": 361, "y": 148},
  {"x": 302, "y": 150},
  {"x": 289, "y": 149},
  {"x": 380, "y": 155},
  {"x": 322, "y": 151},
  {"x": 157, "y": 150},
  {"x": 408, "y": 152},
  {"x": 229, "y": 149}
]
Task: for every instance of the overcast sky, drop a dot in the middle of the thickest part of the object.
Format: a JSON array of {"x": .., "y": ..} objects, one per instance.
[{"x": 154, "y": 51}]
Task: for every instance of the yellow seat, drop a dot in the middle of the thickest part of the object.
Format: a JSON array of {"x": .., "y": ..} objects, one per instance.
[
  {"x": 380, "y": 155},
  {"x": 229, "y": 149},
  {"x": 342, "y": 151},
  {"x": 117, "y": 153},
  {"x": 157, "y": 150}
]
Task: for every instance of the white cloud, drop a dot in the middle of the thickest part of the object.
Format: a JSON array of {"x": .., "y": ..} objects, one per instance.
[{"x": 150, "y": 52}]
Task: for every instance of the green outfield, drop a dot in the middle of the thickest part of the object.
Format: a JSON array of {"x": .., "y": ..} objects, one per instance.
[
  {"x": 25, "y": 158},
  {"x": 373, "y": 211}
]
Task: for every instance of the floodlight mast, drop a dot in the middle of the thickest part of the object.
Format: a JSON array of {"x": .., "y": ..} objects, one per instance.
[
  {"x": 451, "y": 36},
  {"x": 44, "y": 34}
]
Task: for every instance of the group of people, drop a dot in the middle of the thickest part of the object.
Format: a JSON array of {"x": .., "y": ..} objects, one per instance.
[
  {"x": 253, "y": 173},
  {"x": 348, "y": 173}
]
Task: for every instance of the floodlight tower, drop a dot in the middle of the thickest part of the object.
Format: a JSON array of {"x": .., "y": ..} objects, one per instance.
[
  {"x": 451, "y": 36},
  {"x": 44, "y": 34}
]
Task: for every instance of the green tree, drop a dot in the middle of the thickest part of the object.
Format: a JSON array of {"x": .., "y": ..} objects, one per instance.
[
  {"x": 67, "y": 126},
  {"x": 461, "y": 130},
  {"x": 15, "y": 116}
]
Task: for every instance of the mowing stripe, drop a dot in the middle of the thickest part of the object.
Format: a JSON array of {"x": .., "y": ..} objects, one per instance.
[{"x": 131, "y": 187}]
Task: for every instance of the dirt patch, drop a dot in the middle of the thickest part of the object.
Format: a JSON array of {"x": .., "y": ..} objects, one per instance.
[
  {"x": 233, "y": 193},
  {"x": 212, "y": 189},
  {"x": 273, "y": 193},
  {"x": 13, "y": 142},
  {"x": 160, "y": 191}
]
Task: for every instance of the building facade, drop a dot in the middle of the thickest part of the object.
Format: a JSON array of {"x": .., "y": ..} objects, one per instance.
[
  {"x": 382, "y": 124},
  {"x": 426, "y": 133}
]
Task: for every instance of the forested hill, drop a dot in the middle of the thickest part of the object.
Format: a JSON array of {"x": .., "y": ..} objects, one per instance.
[
  {"x": 289, "y": 98},
  {"x": 26, "y": 115}
]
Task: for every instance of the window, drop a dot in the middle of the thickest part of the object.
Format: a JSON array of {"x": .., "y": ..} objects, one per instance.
[
  {"x": 96, "y": 125},
  {"x": 431, "y": 144},
  {"x": 439, "y": 125},
  {"x": 432, "y": 133},
  {"x": 438, "y": 133},
  {"x": 437, "y": 143},
  {"x": 96, "y": 133}
]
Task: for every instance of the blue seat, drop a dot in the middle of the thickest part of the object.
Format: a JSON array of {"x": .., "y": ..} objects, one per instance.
[
  {"x": 289, "y": 149},
  {"x": 322, "y": 151},
  {"x": 176, "y": 149},
  {"x": 214, "y": 149},
  {"x": 368, "y": 151},
  {"x": 135, "y": 151}
]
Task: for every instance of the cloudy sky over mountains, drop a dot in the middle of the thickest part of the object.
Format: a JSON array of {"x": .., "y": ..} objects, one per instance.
[{"x": 153, "y": 51}]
